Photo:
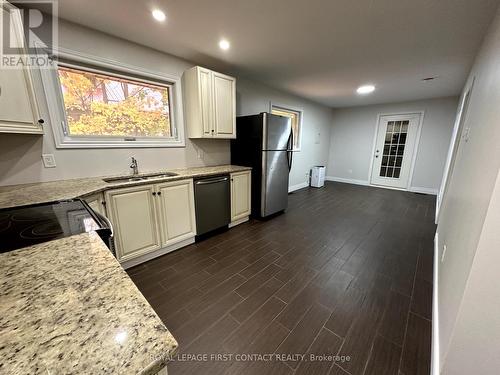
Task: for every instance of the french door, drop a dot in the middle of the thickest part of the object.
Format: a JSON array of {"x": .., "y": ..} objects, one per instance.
[{"x": 394, "y": 147}]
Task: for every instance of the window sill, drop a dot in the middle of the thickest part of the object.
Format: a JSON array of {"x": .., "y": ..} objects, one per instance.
[{"x": 75, "y": 144}]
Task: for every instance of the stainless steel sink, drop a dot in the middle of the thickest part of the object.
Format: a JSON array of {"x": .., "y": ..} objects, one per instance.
[{"x": 139, "y": 178}]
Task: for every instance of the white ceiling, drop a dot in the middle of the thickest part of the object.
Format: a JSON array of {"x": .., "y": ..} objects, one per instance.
[{"x": 319, "y": 49}]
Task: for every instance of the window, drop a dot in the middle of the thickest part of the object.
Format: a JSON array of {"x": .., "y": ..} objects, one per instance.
[
  {"x": 296, "y": 120},
  {"x": 97, "y": 103},
  {"x": 102, "y": 105}
]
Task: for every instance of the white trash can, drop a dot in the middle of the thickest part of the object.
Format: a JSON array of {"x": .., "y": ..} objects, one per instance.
[{"x": 318, "y": 176}]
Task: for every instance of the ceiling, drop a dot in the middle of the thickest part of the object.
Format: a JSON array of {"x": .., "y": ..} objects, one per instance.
[{"x": 318, "y": 49}]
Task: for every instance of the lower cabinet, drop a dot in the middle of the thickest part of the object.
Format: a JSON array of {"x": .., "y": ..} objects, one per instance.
[
  {"x": 176, "y": 209},
  {"x": 133, "y": 213},
  {"x": 241, "y": 185},
  {"x": 151, "y": 220},
  {"x": 153, "y": 217}
]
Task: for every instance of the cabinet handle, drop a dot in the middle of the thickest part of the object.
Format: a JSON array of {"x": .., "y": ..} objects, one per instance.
[
  {"x": 41, "y": 121},
  {"x": 159, "y": 193},
  {"x": 154, "y": 192}
]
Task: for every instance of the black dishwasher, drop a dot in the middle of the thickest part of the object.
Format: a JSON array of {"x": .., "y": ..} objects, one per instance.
[{"x": 212, "y": 203}]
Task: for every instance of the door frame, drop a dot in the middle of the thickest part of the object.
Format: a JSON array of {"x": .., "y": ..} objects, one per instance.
[
  {"x": 456, "y": 137},
  {"x": 421, "y": 114}
]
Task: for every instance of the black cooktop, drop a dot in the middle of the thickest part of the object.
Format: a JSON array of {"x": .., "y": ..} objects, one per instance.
[{"x": 30, "y": 225}]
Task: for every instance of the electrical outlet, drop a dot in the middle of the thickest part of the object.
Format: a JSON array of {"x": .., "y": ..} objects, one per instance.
[
  {"x": 444, "y": 253},
  {"x": 49, "y": 161}
]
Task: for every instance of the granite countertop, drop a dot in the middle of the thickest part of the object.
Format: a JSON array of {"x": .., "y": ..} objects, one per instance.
[
  {"x": 67, "y": 306},
  {"x": 20, "y": 195}
]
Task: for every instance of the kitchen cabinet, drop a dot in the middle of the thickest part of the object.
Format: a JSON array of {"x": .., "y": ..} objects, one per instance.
[
  {"x": 209, "y": 104},
  {"x": 151, "y": 220},
  {"x": 18, "y": 106},
  {"x": 176, "y": 209},
  {"x": 97, "y": 203},
  {"x": 241, "y": 185},
  {"x": 132, "y": 212}
]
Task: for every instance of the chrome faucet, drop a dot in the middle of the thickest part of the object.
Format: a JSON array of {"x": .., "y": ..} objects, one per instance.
[{"x": 134, "y": 166}]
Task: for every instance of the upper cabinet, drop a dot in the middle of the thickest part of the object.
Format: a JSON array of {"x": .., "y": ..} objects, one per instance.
[
  {"x": 209, "y": 103},
  {"x": 18, "y": 106}
]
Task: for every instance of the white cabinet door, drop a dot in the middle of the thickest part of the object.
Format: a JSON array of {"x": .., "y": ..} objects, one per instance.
[
  {"x": 240, "y": 195},
  {"x": 206, "y": 101},
  {"x": 209, "y": 104},
  {"x": 132, "y": 212},
  {"x": 18, "y": 106},
  {"x": 224, "y": 105},
  {"x": 176, "y": 211},
  {"x": 96, "y": 202}
]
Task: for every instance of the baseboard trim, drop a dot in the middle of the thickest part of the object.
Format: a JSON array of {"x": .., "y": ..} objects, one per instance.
[
  {"x": 413, "y": 189},
  {"x": 144, "y": 258},
  {"x": 347, "y": 180},
  {"x": 423, "y": 190},
  {"x": 297, "y": 187},
  {"x": 435, "y": 311}
]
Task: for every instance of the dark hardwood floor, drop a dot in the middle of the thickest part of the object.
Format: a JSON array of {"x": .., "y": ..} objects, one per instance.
[{"x": 346, "y": 271}]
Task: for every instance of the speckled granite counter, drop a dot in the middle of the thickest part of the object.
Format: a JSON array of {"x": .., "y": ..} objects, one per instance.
[
  {"x": 67, "y": 307},
  {"x": 19, "y": 195}
]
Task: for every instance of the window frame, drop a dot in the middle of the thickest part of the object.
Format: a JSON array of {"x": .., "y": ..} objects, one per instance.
[
  {"x": 92, "y": 64},
  {"x": 300, "y": 116}
]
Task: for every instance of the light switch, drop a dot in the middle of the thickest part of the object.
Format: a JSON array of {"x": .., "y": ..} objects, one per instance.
[
  {"x": 49, "y": 161},
  {"x": 466, "y": 134},
  {"x": 444, "y": 253},
  {"x": 317, "y": 138}
]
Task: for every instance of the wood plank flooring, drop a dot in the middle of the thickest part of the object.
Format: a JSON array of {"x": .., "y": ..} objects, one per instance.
[{"x": 346, "y": 271}]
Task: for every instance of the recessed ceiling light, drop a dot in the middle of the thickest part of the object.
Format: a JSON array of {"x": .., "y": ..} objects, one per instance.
[
  {"x": 159, "y": 15},
  {"x": 365, "y": 89},
  {"x": 224, "y": 44}
]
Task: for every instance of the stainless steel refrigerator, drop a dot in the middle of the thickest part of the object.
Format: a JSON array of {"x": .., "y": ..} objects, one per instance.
[{"x": 264, "y": 142}]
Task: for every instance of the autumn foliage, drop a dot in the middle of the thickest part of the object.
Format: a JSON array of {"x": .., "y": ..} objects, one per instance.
[{"x": 108, "y": 106}]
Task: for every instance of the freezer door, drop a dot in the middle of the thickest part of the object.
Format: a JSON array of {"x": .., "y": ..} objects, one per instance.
[
  {"x": 274, "y": 189},
  {"x": 276, "y": 132}
]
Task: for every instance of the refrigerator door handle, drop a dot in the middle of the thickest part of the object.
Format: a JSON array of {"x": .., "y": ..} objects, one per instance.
[
  {"x": 290, "y": 141},
  {"x": 289, "y": 152}
]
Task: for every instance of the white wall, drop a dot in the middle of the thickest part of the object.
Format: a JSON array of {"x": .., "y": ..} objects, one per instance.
[
  {"x": 475, "y": 342},
  {"x": 316, "y": 124},
  {"x": 468, "y": 287},
  {"x": 353, "y": 133},
  {"x": 20, "y": 160}
]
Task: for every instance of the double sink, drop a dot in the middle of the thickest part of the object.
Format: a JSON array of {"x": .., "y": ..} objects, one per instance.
[{"x": 139, "y": 178}]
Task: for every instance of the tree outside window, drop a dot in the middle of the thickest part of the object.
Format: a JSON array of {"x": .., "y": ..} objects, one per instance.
[{"x": 102, "y": 105}]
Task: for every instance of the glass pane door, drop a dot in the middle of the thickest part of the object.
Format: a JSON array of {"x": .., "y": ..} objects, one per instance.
[{"x": 394, "y": 149}]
